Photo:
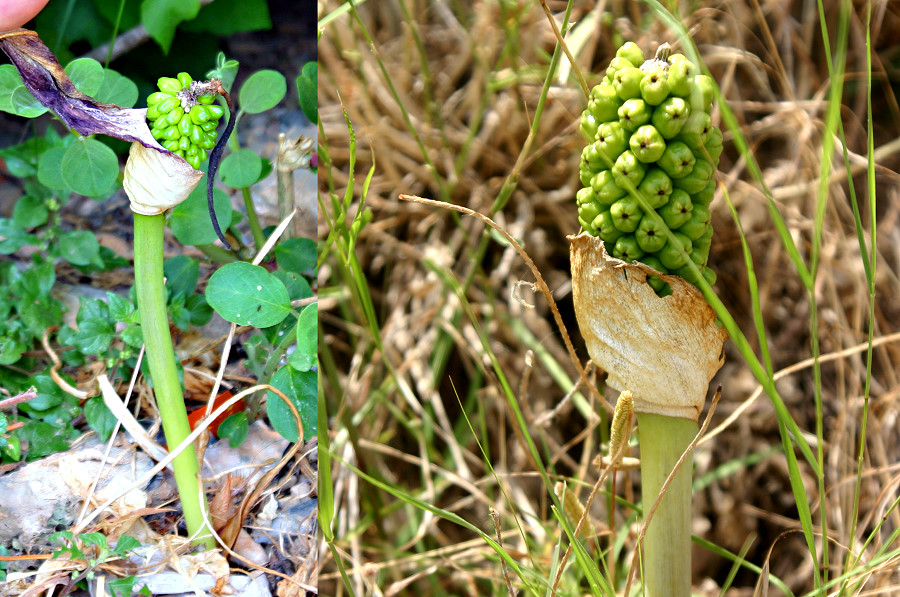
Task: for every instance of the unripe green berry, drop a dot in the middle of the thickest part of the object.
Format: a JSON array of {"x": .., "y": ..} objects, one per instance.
[
  {"x": 655, "y": 86},
  {"x": 647, "y": 144},
  {"x": 615, "y": 65},
  {"x": 603, "y": 103},
  {"x": 705, "y": 196},
  {"x": 606, "y": 191},
  {"x": 677, "y": 160},
  {"x": 606, "y": 229},
  {"x": 697, "y": 180},
  {"x": 670, "y": 115},
  {"x": 156, "y": 97},
  {"x": 650, "y": 235},
  {"x": 674, "y": 256},
  {"x": 656, "y": 187},
  {"x": 627, "y": 248},
  {"x": 628, "y": 170},
  {"x": 184, "y": 80},
  {"x": 681, "y": 76},
  {"x": 169, "y": 85},
  {"x": 166, "y": 105},
  {"x": 626, "y": 214},
  {"x": 697, "y": 224},
  {"x": 631, "y": 52},
  {"x": 612, "y": 140},
  {"x": 678, "y": 209},
  {"x": 634, "y": 113},
  {"x": 704, "y": 85},
  {"x": 206, "y": 99},
  {"x": 627, "y": 83}
]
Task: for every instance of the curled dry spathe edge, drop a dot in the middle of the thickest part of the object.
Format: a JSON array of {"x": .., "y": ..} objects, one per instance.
[
  {"x": 664, "y": 350},
  {"x": 158, "y": 179}
]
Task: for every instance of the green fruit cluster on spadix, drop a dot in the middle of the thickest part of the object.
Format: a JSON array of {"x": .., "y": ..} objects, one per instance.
[
  {"x": 649, "y": 133},
  {"x": 182, "y": 123}
]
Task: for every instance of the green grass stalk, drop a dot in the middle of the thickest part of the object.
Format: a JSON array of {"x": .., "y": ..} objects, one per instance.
[
  {"x": 666, "y": 561},
  {"x": 151, "y": 296}
]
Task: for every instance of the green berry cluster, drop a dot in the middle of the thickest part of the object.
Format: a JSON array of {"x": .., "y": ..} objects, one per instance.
[
  {"x": 183, "y": 117},
  {"x": 648, "y": 129}
]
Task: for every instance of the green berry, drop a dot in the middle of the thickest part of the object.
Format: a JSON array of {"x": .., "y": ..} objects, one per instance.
[
  {"x": 206, "y": 99},
  {"x": 656, "y": 187},
  {"x": 681, "y": 75},
  {"x": 697, "y": 180},
  {"x": 615, "y": 65},
  {"x": 628, "y": 170},
  {"x": 200, "y": 114},
  {"x": 606, "y": 191},
  {"x": 673, "y": 256},
  {"x": 603, "y": 103},
  {"x": 677, "y": 160},
  {"x": 704, "y": 89},
  {"x": 670, "y": 115},
  {"x": 626, "y": 214},
  {"x": 695, "y": 227},
  {"x": 209, "y": 125},
  {"x": 166, "y": 105},
  {"x": 634, "y": 113},
  {"x": 627, "y": 248},
  {"x": 647, "y": 144},
  {"x": 184, "y": 80},
  {"x": 650, "y": 235},
  {"x": 612, "y": 140},
  {"x": 606, "y": 229},
  {"x": 156, "y": 97},
  {"x": 631, "y": 52},
  {"x": 627, "y": 83},
  {"x": 169, "y": 85},
  {"x": 655, "y": 86},
  {"x": 677, "y": 210}
]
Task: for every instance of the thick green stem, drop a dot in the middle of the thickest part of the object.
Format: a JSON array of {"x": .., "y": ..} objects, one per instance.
[
  {"x": 151, "y": 296},
  {"x": 666, "y": 562}
]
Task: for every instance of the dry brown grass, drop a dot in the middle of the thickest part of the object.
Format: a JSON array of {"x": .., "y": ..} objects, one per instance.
[{"x": 471, "y": 110}]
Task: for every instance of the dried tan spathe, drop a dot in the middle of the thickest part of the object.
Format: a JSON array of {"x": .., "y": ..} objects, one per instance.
[{"x": 664, "y": 350}]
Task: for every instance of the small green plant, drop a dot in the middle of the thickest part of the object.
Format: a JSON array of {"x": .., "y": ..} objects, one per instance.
[
  {"x": 94, "y": 550},
  {"x": 648, "y": 169},
  {"x": 158, "y": 181}
]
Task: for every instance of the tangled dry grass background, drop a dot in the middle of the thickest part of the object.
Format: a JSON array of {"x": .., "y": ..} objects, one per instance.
[{"x": 468, "y": 107}]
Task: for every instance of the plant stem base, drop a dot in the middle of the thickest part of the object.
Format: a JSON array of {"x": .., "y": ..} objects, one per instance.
[{"x": 666, "y": 562}]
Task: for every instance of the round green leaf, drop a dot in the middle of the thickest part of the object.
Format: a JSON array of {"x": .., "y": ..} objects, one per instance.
[
  {"x": 79, "y": 247},
  {"x": 86, "y": 74},
  {"x": 49, "y": 170},
  {"x": 300, "y": 388},
  {"x": 307, "y": 91},
  {"x": 247, "y": 294},
  {"x": 117, "y": 89},
  {"x": 99, "y": 417},
  {"x": 296, "y": 255},
  {"x": 89, "y": 167},
  {"x": 30, "y": 212},
  {"x": 190, "y": 220},
  {"x": 304, "y": 356},
  {"x": 24, "y": 104},
  {"x": 262, "y": 91},
  {"x": 181, "y": 273},
  {"x": 241, "y": 168},
  {"x": 9, "y": 81},
  {"x": 234, "y": 429}
]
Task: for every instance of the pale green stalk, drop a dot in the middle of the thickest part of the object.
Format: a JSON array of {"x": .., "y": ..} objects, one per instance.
[
  {"x": 151, "y": 296},
  {"x": 666, "y": 561}
]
